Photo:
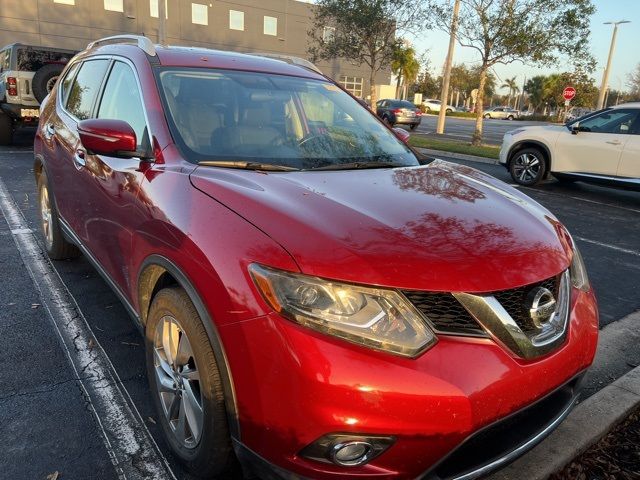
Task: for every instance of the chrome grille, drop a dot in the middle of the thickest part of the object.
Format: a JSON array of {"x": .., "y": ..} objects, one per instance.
[
  {"x": 445, "y": 312},
  {"x": 514, "y": 302}
]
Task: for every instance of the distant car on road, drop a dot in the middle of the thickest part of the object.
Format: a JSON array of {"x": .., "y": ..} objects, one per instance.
[
  {"x": 27, "y": 75},
  {"x": 603, "y": 147},
  {"x": 432, "y": 105},
  {"x": 577, "y": 112},
  {"x": 399, "y": 112},
  {"x": 503, "y": 113}
]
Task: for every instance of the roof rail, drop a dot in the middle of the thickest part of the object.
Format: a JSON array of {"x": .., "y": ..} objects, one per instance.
[
  {"x": 142, "y": 42},
  {"x": 301, "y": 62}
]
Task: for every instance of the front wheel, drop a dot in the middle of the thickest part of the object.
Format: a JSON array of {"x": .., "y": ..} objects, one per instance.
[
  {"x": 413, "y": 126},
  {"x": 186, "y": 385},
  {"x": 57, "y": 246},
  {"x": 449, "y": 110},
  {"x": 510, "y": 117},
  {"x": 528, "y": 167},
  {"x": 487, "y": 116}
]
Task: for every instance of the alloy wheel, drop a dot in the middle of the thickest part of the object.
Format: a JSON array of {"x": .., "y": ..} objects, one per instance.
[
  {"x": 51, "y": 83},
  {"x": 178, "y": 382},
  {"x": 526, "y": 167},
  {"x": 45, "y": 215}
]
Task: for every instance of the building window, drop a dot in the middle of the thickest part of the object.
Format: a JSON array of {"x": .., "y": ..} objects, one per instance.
[
  {"x": 153, "y": 9},
  {"x": 236, "y": 20},
  {"x": 65, "y": 2},
  {"x": 270, "y": 26},
  {"x": 199, "y": 14},
  {"x": 353, "y": 85},
  {"x": 114, "y": 5},
  {"x": 328, "y": 33}
]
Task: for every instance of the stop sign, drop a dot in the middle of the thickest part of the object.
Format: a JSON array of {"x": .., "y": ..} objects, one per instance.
[{"x": 568, "y": 93}]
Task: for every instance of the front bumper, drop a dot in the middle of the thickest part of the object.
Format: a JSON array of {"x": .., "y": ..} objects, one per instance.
[{"x": 434, "y": 405}]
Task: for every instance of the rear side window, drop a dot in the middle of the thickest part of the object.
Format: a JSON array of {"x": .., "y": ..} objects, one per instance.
[
  {"x": 122, "y": 101},
  {"x": 65, "y": 85},
  {"x": 403, "y": 104},
  {"x": 33, "y": 59},
  {"x": 85, "y": 88}
]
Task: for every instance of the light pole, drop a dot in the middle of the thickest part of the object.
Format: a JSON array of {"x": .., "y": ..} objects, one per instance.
[
  {"x": 446, "y": 75},
  {"x": 605, "y": 75}
]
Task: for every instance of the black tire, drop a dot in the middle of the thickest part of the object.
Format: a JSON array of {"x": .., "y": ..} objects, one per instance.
[
  {"x": 6, "y": 130},
  {"x": 449, "y": 110},
  {"x": 510, "y": 117},
  {"x": 413, "y": 126},
  {"x": 44, "y": 80},
  {"x": 212, "y": 454},
  {"x": 528, "y": 167},
  {"x": 56, "y": 245},
  {"x": 487, "y": 116}
]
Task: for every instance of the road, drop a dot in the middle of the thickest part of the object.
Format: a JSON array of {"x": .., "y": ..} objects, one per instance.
[
  {"x": 48, "y": 422},
  {"x": 457, "y": 128}
]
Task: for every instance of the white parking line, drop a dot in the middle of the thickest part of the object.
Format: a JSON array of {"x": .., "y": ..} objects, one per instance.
[
  {"x": 610, "y": 205},
  {"x": 129, "y": 444},
  {"x": 607, "y": 245}
]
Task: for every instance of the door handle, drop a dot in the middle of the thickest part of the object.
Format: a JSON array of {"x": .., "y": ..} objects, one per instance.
[
  {"x": 50, "y": 129},
  {"x": 79, "y": 158}
]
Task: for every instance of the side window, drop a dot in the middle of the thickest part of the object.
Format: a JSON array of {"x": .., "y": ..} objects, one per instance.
[
  {"x": 85, "y": 88},
  {"x": 4, "y": 54},
  {"x": 65, "y": 85},
  {"x": 121, "y": 100},
  {"x": 611, "y": 121}
]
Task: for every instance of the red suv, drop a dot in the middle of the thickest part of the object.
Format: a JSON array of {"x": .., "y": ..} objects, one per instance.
[{"x": 315, "y": 302}]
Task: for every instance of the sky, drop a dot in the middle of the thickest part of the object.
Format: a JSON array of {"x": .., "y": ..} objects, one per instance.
[{"x": 626, "y": 56}]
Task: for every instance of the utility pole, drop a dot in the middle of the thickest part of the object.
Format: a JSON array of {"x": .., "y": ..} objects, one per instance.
[
  {"x": 446, "y": 77},
  {"x": 605, "y": 75},
  {"x": 162, "y": 22}
]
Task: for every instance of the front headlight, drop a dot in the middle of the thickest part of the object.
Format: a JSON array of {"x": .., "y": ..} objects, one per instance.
[
  {"x": 578, "y": 271},
  {"x": 373, "y": 317}
]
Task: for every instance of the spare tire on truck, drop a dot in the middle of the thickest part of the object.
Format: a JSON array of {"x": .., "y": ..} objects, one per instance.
[{"x": 44, "y": 80}]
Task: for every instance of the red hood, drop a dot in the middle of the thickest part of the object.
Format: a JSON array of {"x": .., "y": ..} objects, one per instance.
[{"x": 441, "y": 227}]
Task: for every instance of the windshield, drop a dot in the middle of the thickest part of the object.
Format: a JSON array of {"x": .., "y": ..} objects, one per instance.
[{"x": 219, "y": 115}]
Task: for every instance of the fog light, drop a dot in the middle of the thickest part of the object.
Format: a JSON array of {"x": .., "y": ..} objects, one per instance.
[
  {"x": 351, "y": 453},
  {"x": 347, "y": 450}
]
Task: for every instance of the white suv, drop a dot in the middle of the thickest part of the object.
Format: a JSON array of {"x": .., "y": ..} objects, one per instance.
[{"x": 602, "y": 147}]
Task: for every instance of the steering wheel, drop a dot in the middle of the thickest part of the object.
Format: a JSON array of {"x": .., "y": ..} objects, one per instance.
[{"x": 309, "y": 137}]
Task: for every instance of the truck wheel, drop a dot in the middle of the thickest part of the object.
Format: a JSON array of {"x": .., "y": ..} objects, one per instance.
[
  {"x": 44, "y": 80},
  {"x": 6, "y": 130}
]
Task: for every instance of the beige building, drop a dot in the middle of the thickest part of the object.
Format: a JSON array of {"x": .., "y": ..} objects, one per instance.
[{"x": 278, "y": 26}]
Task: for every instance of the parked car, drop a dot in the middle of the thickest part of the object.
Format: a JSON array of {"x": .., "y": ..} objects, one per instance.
[
  {"x": 27, "y": 75},
  {"x": 503, "y": 113},
  {"x": 432, "y": 105},
  {"x": 313, "y": 300},
  {"x": 603, "y": 147},
  {"x": 398, "y": 112}
]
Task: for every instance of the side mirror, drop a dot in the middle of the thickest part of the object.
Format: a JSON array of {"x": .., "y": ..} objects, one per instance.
[
  {"x": 403, "y": 135},
  {"x": 575, "y": 128},
  {"x": 114, "y": 138}
]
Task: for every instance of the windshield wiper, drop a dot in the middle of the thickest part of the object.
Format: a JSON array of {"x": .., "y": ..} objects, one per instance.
[
  {"x": 269, "y": 167},
  {"x": 358, "y": 165}
]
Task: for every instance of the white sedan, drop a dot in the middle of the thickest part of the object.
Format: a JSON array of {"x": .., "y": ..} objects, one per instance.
[
  {"x": 603, "y": 147},
  {"x": 432, "y": 105}
]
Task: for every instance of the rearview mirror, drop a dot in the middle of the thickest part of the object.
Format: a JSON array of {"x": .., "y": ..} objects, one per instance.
[
  {"x": 575, "y": 128},
  {"x": 403, "y": 135},
  {"x": 114, "y": 138}
]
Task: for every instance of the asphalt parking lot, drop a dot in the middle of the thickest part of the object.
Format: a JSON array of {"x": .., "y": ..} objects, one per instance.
[
  {"x": 457, "y": 128},
  {"x": 47, "y": 423}
]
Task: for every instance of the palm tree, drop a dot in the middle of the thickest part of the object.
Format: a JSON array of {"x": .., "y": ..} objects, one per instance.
[
  {"x": 405, "y": 65},
  {"x": 510, "y": 83}
]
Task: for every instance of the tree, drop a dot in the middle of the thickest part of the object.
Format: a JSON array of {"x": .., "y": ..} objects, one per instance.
[
  {"x": 364, "y": 32},
  {"x": 634, "y": 83},
  {"x": 535, "y": 88},
  {"x": 512, "y": 85},
  {"x": 536, "y": 32},
  {"x": 405, "y": 66}
]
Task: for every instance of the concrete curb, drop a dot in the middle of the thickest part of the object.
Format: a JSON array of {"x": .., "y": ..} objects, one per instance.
[
  {"x": 587, "y": 423},
  {"x": 457, "y": 156}
]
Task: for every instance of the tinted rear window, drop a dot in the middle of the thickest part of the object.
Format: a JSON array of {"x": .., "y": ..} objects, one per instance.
[
  {"x": 403, "y": 104},
  {"x": 33, "y": 59}
]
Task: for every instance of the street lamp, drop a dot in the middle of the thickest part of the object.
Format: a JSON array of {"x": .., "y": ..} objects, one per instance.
[{"x": 605, "y": 76}]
